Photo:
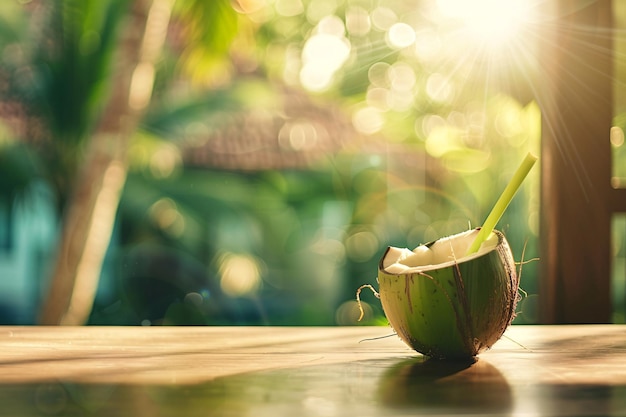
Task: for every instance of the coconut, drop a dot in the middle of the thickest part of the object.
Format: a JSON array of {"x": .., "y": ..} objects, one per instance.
[
  {"x": 454, "y": 297},
  {"x": 445, "y": 300}
]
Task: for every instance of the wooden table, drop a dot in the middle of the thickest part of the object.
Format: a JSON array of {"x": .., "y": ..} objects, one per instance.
[{"x": 304, "y": 371}]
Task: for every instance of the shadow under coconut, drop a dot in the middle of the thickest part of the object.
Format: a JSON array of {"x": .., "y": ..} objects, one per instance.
[{"x": 446, "y": 387}]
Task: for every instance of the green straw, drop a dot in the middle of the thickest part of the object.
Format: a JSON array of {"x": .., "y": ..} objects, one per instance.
[{"x": 503, "y": 202}]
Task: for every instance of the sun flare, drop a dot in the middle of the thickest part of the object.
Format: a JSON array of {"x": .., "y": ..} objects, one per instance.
[{"x": 490, "y": 21}]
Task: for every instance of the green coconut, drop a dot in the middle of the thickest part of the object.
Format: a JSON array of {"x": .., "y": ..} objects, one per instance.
[
  {"x": 445, "y": 303},
  {"x": 454, "y": 297}
]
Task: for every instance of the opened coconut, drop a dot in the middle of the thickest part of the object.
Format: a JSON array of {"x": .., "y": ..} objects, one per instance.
[{"x": 447, "y": 301}]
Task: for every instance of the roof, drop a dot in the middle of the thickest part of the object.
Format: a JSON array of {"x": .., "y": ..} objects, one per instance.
[{"x": 300, "y": 134}]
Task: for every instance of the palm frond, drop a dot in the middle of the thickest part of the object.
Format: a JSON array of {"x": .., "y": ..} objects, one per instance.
[{"x": 207, "y": 29}]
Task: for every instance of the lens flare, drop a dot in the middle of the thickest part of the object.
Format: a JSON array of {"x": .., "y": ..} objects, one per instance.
[{"x": 491, "y": 21}]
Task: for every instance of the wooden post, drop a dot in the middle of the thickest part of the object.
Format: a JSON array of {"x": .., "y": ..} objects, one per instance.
[{"x": 577, "y": 198}]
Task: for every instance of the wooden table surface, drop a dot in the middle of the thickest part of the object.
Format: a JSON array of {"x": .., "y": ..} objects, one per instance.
[{"x": 305, "y": 371}]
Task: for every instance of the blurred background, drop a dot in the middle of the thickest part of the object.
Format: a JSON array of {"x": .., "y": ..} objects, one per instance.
[{"x": 248, "y": 161}]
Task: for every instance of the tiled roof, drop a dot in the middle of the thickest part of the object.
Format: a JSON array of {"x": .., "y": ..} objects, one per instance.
[{"x": 299, "y": 135}]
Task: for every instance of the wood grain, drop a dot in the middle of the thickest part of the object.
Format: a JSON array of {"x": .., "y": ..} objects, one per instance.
[
  {"x": 572, "y": 354},
  {"x": 310, "y": 371}
]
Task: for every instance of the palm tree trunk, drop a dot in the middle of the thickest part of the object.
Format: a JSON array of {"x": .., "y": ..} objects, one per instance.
[{"x": 90, "y": 213}]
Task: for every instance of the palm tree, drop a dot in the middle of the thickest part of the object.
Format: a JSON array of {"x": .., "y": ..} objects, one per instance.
[{"x": 93, "y": 66}]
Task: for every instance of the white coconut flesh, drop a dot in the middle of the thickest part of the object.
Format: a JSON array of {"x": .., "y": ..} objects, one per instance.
[{"x": 441, "y": 253}]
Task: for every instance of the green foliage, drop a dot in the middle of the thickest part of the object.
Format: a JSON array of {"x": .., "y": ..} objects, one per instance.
[
  {"x": 73, "y": 65},
  {"x": 208, "y": 28},
  {"x": 169, "y": 120},
  {"x": 57, "y": 66},
  {"x": 18, "y": 168}
]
